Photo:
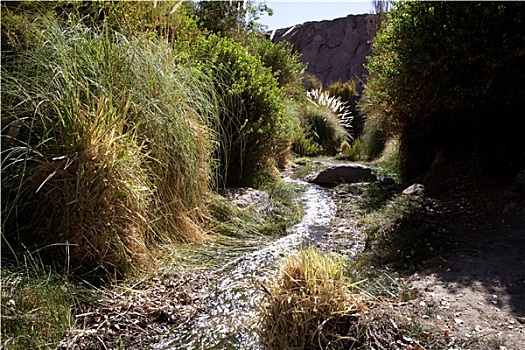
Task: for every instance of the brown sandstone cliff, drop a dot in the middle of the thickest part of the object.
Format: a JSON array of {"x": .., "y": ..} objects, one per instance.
[{"x": 334, "y": 50}]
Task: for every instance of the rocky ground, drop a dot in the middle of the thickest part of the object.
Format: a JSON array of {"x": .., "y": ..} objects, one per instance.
[
  {"x": 482, "y": 278},
  {"x": 473, "y": 299}
]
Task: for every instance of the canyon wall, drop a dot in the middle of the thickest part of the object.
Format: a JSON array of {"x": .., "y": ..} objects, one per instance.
[{"x": 334, "y": 50}]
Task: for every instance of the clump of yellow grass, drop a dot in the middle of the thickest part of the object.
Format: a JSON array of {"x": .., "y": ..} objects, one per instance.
[{"x": 311, "y": 305}]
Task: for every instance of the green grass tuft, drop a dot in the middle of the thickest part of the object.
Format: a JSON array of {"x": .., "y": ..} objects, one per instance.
[{"x": 38, "y": 305}]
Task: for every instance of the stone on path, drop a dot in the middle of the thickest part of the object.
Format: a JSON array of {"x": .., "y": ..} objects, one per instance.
[
  {"x": 244, "y": 197},
  {"x": 346, "y": 173},
  {"x": 414, "y": 190}
]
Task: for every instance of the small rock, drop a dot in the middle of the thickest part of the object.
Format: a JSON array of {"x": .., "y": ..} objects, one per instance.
[
  {"x": 414, "y": 190},
  {"x": 509, "y": 208},
  {"x": 245, "y": 196}
]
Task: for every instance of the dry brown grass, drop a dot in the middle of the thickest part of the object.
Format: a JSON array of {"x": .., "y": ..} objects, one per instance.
[
  {"x": 310, "y": 305},
  {"x": 113, "y": 154},
  {"x": 95, "y": 204}
]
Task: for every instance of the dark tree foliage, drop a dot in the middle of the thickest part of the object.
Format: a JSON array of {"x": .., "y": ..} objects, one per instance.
[
  {"x": 230, "y": 18},
  {"x": 450, "y": 77}
]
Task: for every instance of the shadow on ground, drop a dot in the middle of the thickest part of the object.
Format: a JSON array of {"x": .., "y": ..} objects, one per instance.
[{"x": 482, "y": 278}]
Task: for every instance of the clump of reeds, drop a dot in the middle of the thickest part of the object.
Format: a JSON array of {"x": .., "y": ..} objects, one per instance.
[
  {"x": 310, "y": 305},
  {"x": 334, "y": 103},
  {"x": 112, "y": 149}
]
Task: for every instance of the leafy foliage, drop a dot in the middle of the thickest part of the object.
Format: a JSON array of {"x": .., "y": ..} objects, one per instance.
[
  {"x": 253, "y": 127},
  {"x": 283, "y": 62},
  {"x": 449, "y": 76},
  {"x": 232, "y": 19}
]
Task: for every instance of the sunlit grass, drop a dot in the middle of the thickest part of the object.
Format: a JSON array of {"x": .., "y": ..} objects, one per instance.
[
  {"x": 233, "y": 231},
  {"x": 113, "y": 149},
  {"x": 310, "y": 304},
  {"x": 38, "y": 305}
]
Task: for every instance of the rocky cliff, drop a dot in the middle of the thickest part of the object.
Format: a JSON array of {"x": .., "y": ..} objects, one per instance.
[{"x": 334, "y": 50}]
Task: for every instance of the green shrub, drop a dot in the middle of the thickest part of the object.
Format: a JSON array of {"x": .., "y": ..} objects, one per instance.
[
  {"x": 283, "y": 62},
  {"x": 373, "y": 137},
  {"x": 325, "y": 128},
  {"x": 302, "y": 139},
  {"x": 253, "y": 128},
  {"x": 462, "y": 100},
  {"x": 353, "y": 152},
  {"x": 311, "y": 82},
  {"x": 347, "y": 93}
]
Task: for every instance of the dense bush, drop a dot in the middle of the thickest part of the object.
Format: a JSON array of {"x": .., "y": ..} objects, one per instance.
[
  {"x": 234, "y": 19},
  {"x": 117, "y": 118},
  {"x": 283, "y": 62},
  {"x": 325, "y": 128},
  {"x": 311, "y": 82},
  {"x": 347, "y": 92},
  {"x": 448, "y": 77},
  {"x": 253, "y": 128}
]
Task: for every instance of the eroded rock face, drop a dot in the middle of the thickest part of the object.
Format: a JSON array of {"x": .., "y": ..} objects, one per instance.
[{"x": 334, "y": 50}]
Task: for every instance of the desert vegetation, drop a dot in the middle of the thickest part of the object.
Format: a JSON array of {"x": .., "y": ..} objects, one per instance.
[
  {"x": 442, "y": 80},
  {"x": 123, "y": 123},
  {"x": 439, "y": 92}
]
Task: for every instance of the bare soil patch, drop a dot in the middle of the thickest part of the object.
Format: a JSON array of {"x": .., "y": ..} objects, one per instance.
[
  {"x": 473, "y": 289},
  {"x": 481, "y": 280}
]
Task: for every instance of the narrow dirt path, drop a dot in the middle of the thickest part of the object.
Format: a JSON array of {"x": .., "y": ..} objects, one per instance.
[
  {"x": 482, "y": 279},
  {"x": 482, "y": 282}
]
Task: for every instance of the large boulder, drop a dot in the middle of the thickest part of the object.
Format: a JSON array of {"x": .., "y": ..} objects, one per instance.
[{"x": 345, "y": 173}]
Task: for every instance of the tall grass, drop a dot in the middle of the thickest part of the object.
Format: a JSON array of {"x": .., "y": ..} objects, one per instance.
[
  {"x": 254, "y": 129},
  {"x": 325, "y": 128},
  {"x": 112, "y": 148}
]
